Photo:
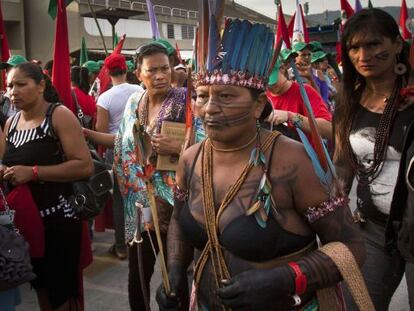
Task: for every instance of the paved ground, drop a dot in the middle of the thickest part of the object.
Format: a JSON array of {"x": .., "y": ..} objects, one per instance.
[{"x": 106, "y": 283}]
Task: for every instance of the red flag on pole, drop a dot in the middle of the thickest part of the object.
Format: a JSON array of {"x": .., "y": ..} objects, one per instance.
[
  {"x": 61, "y": 65},
  {"x": 282, "y": 30},
  {"x": 291, "y": 24},
  {"x": 405, "y": 33},
  {"x": 180, "y": 60},
  {"x": 103, "y": 80},
  {"x": 4, "y": 44},
  {"x": 347, "y": 9},
  {"x": 346, "y": 12}
]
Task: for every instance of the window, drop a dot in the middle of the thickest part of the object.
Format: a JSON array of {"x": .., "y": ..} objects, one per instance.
[
  {"x": 170, "y": 31},
  {"x": 187, "y": 31}
]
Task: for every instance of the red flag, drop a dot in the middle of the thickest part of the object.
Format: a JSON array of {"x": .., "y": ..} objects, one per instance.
[
  {"x": 305, "y": 28},
  {"x": 103, "y": 78},
  {"x": 282, "y": 30},
  {"x": 347, "y": 9},
  {"x": 4, "y": 44},
  {"x": 405, "y": 33},
  {"x": 180, "y": 60},
  {"x": 291, "y": 25},
  {"x": 346, "y": 12},
  {"x": 61, "y": 65}
]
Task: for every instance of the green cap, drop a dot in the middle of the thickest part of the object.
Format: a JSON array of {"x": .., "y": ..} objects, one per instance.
[
  {"x": 315, "y": 46},
  {"x": 101, "y": 62},
  {"x": 166, "y": 44},
  {"x": 130, "y": 65},
  {"x": 286, "y": 53},
  {"x": 318, "y": 56},
  {"x": 92, "y": 66},
  {"x": 13, "y": 61},
  {"x": 299, "y": 46},
  {"x": 274, "y": 75}
]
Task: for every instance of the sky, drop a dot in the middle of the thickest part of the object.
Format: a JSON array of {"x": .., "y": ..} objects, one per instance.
[{"x": 268, "y": 7}]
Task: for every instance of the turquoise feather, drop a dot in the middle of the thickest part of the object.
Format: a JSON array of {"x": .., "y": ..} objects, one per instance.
[
  {"x": 247, "y": 44},
  {"x": 235, "y": 59}
]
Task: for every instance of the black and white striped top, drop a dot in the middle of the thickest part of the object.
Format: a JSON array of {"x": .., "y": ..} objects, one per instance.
[{"x": 20, "y": 137}]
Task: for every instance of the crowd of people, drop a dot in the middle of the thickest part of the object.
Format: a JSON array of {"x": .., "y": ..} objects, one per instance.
[{"x": 242, "y": 217}]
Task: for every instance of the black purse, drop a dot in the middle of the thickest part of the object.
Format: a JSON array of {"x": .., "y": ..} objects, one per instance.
[
  {"x": 15, "y": 267},
  {"x": 91, "y": 194}
]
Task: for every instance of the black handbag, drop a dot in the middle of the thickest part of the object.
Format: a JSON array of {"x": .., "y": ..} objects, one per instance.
[
  {"x": 15, "y": 267},
  {"x": 90, "y": 194}
]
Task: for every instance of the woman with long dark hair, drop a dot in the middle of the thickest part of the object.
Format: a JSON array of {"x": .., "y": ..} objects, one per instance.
[
  {"x": 33, "y": 156},
  {"x": 371, "y": 120}
]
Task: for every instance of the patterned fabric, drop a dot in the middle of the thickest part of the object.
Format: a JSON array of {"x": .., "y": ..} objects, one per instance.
[
  {"x": 315, "y": 213},
  {"x": 200, "y": 134},
  {"x": 129, "y": 174}
]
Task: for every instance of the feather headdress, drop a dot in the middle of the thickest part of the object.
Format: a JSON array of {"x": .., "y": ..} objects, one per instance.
[{"x": 236, "y": 53}]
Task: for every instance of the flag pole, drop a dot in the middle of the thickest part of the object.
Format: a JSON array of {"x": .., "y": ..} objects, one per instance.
[{"x": 99, "y": 27}]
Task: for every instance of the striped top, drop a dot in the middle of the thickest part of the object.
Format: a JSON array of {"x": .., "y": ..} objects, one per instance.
[{"x": 20, "y": 137}]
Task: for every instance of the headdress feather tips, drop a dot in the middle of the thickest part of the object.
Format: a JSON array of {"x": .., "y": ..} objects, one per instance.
[{"x": 241, "y": 56}]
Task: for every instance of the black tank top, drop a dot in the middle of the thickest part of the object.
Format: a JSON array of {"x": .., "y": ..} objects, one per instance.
[
  {"x": 36, "y": 146},
  {"x": 243, "y": 237}
]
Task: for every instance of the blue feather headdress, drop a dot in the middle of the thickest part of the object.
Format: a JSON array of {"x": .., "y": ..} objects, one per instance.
[{"x": 240, "y": 54}]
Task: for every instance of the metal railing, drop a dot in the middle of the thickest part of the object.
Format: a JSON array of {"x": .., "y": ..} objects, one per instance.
[{"x": 142, "y": 6}]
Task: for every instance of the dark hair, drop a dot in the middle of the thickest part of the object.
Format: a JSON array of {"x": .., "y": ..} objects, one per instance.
[
  {"x": 49, "y": 67},
  {"x": 147, "y": 50},
  {"x": 79, "y": 76},
  {"x": 117, "y": 72},
  {"x": 34, "y": 72},
  {"x": 267, "y": 110},
  {"x": 354, "y": 84}
]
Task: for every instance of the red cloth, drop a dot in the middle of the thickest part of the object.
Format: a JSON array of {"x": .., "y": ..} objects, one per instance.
[
  {"x": 61, "y": 58},
  {"x": 282, "y": 30},
  {"x": 405, "y": 33},
  {"x": 292, "y": 101},
  {"x": 103, "y": 77},
  {"x": 27, "y": 219},
  {"x": 86, "y": 102}
]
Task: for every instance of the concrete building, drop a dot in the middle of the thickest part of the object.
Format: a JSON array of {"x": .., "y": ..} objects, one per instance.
[{"x": 31, "y": 30}]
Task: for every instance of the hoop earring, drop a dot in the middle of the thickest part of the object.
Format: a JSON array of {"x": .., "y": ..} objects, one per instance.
[{"x": 400, "y": 68}]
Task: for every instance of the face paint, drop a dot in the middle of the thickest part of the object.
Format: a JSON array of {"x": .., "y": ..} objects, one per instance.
[
  {"x": 383, "y": 55},
  {"x": 228, "y": 119}
]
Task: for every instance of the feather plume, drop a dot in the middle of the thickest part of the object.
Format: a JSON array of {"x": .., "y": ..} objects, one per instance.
[
  {"x": 244, "y": 28},
  {"x": 213, "y": 44},
  {"x": 247, "y": 44},
  {"x": 203, "y": 32}
]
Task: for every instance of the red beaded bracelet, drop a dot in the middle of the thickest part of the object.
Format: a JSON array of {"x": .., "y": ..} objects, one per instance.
[
  {"x": 301, "y": 281},
  {"x": 35, "y": 171}
]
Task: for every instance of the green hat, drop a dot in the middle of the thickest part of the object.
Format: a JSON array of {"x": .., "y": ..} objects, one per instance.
[
  {"x": 101, "y": 62},
  {"x": 274, "y": 75},
  {"x": 130, "y": 65},
  {"x": 315, "y": 46},
  {"x": 286, "y": 53},
  {"x": 92, "y": 66},
  {"x": 166, "y": 44},
  {"x": 318, "y": 56},
  {"x": 13, "y": 61},
  {"x": 299, "y": 46}
]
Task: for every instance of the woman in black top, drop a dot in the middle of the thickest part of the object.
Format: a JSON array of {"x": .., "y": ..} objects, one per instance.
[
  {"x": 33, "y": 156},
  {"x": 371, "y": 121}
]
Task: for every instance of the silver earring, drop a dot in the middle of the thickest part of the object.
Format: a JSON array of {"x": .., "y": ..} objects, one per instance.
[{"x": 400, "y": 68}]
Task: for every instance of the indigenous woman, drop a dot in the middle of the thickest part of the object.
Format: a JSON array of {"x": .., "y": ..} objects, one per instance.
[
  {"x": 33, "y": 156},
  {"x": 248, "y": 203},
  {"x": 372, "y": 119}
]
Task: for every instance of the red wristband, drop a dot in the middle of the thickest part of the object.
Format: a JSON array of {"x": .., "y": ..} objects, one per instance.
[
  {"x": 300, "y": 278},
  {"x": 35, "y": 171}
]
